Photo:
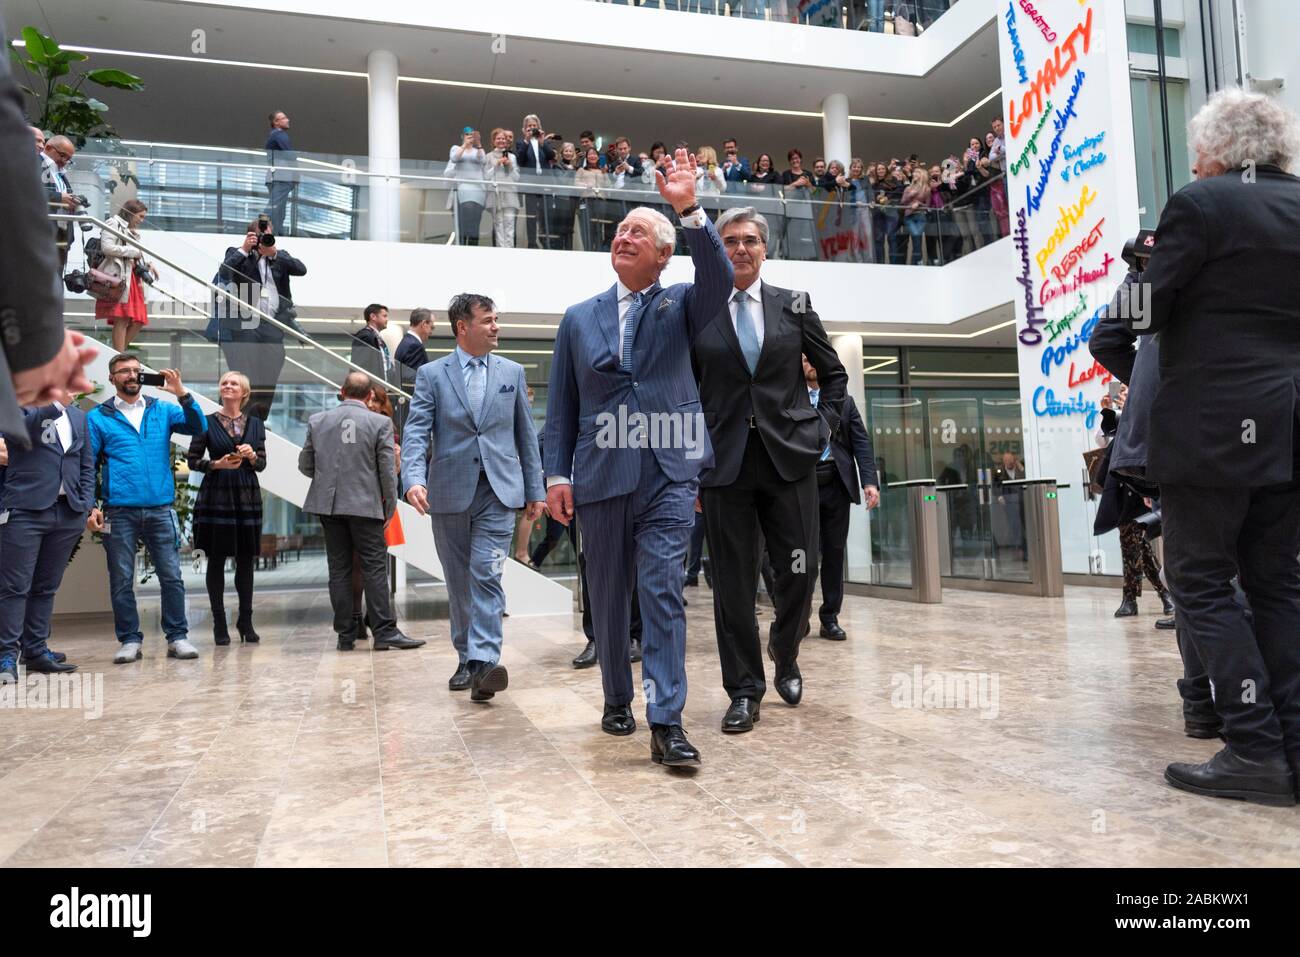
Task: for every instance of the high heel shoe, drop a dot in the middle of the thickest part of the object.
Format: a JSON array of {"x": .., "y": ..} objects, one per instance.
[
  {"x": 246, "y": 632},
  {"x": 220, "y": 633}
]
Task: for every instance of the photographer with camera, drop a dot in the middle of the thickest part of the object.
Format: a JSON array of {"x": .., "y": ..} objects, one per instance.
[
  {"x": 59, "y": 151},
  {"x": 1222, "y": 286},
  {"x": 536, "y": 157},
  {"x": 127, "y": 314},
  {"x": 259, "y": 272}
]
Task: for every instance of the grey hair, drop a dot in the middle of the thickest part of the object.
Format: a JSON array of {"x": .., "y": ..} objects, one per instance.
[
  {"x": 665, "y": 234},
  {"x": 1237, "y": 128},
  {"x": 743, "y": 214}
]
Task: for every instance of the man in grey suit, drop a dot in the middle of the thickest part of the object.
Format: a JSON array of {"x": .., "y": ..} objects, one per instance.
[
  {"x": 470, "y": 438},
  {"x": 350, "y": 459},
  {"x": 40, "y": 362}
]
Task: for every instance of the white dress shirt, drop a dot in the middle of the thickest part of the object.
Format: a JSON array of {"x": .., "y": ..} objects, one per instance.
[
  {"x": 755, "y": 307},
  {"x": 268, "y": 295},
  {"x": 133, "y": 412},
  {"x": 63, "y": 429}
]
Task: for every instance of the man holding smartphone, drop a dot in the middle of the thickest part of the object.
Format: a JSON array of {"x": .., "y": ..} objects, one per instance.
[{"x": 130, "y": 442}]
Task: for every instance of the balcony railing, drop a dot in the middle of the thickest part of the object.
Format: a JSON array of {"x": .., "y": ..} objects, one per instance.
[
  {"x": 216, "y": 190},
  {"x": 899, "y": 17}
]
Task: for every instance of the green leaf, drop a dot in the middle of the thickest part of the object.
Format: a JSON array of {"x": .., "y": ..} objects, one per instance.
[
  {"x": 96, "y": 105},
  {"x": 118, "y": 79},
  {"x": 69, "y": 56},
  {"x": 57, "y": 69},
  {"x": 34, "y": 40}
]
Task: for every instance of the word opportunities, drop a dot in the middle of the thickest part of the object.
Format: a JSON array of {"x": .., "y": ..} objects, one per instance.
[
  {"x": 1034, "y": 198},
  {"x": 1029, "y": 335},
  {"x": 1053, "y": 71},
  {"x": 1070, "y": 217},
  {"x": 1018, "y": 51},
  {"x": 1048, "y": 33}
]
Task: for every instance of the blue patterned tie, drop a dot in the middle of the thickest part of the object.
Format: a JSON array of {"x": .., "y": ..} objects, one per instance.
[
  {"x": 813, "y": 396},
  {"x": 477, "y": 385},
  {"x": 629, "y": 330},
  {"x": 746, "y": 332}
]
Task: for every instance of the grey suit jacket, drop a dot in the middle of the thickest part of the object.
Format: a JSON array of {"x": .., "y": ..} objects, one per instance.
[
  {"x": 349, "y": 457},
  {"x": 31, "y": 305}
]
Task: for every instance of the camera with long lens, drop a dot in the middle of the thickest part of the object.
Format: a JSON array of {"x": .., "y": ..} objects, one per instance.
[
  {"x": 76, "y": 281},
  {"x": 1137, "y": 251}
]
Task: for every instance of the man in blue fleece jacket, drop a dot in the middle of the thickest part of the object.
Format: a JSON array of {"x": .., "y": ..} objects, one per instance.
[{"x": 130, "y": 439}]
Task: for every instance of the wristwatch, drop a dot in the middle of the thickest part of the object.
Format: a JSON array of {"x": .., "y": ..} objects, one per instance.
[{"x": 694, "y": 207}]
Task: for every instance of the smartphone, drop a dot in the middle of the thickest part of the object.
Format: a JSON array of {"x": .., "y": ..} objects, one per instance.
[
  {"x": 152, "y": 378},
  {"x": 1114, "y": 389}
]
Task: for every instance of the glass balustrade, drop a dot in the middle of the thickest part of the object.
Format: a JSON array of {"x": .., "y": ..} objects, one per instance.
[
  {"x": 214, "y": 190},
  {"x": 897, "y": 17}
]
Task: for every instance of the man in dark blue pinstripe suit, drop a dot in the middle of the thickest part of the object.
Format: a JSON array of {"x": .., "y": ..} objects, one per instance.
[{"x": 625, "y": 444}]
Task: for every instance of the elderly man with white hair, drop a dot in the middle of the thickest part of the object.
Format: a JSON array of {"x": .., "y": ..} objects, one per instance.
[
  {"x": 1224, "y": 297},
  {"x": 535, "y": 155},
  {"x": 625, "y": 443}
]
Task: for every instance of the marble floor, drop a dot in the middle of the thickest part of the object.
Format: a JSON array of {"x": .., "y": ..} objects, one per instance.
[{"x": 1044, "y": 747}]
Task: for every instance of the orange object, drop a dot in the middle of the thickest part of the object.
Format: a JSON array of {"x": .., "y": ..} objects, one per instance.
[{"x": 393, "y": 534}]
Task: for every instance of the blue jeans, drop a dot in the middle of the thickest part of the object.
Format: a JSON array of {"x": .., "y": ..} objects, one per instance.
[
  {"x": 916, "y": 228},
  {"x": 157, "y": 527},
  {"x": 36, "y": 545}
]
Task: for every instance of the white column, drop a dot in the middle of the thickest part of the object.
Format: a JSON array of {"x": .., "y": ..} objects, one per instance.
[
  {"x": 857, "y": 558},
  {"x": 836, "y": 137},
  {"x": 385, "y": 147}
]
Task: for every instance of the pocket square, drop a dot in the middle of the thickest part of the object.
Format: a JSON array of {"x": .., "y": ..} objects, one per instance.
[
  {"x": 665, "y": 304},
  {"x": 506, "y": 388}
]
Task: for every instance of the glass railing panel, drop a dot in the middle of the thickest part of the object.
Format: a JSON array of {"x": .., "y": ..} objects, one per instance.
[
  {"x": 897, "y": 17},
  {"x": 891, "y": 540}
]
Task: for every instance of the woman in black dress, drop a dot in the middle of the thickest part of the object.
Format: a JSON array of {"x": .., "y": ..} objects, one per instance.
[{"x": 228, "y": 510}]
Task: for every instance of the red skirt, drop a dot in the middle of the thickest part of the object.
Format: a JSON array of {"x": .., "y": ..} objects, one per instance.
[{"x": 133, "y": 310}]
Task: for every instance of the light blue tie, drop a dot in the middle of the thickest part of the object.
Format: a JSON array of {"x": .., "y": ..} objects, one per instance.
[
  {"x": 813, "y": 396},
  {"x": 629, "y": 330},
  {"x": 747, "y": 332},
  {"x": 476, "y": 386}
]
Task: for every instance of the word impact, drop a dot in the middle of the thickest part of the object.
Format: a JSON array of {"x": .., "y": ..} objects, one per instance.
[
  {"x": 1046, "y": 404},
  {"x": 1071, "y": 216},
  {"x": 1073, "y": 257},
  {"x": 1053, "y": 70},
  {"x": 1054, "y": 329},
  {"x": 1080, "y": 279},
  {"x": 1055, "y": 355},
  {"x": 1017, "y": 51},
  {"x": 1032, "y": 145},
  {"x": 1029, "y": 335},
  {"x": 1048, "y": 33},
  {"x": 1035, "y": 199}
]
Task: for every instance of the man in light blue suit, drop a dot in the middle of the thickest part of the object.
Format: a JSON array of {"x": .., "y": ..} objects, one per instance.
[
  {"x": 469, "y": 437},
  {"x": 625, "y": 444}
]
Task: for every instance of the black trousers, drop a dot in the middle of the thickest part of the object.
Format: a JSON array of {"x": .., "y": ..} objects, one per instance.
[
  {"x": 551, "y": 540},
  {"x": 834, "y": 508},
  {"x": 1210, "y": 534},
  {"x": 787, "y": 514},
  {"x": 537, "y": 221},
  {"x": 345, "y": 534}
]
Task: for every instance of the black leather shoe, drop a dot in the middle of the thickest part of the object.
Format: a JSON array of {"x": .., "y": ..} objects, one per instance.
[
  {"x": 693, "y": 581},
  {"x": 636, "y": 650},
  {"x": 618, "y": 720},
  {"x": 59, "y": 656},
  {"x": 346, "y": 644},
  {"x": 1128, "y": 607},
  {"x": 587, "y": 658},
  {"x": 789, "y": 682},
  {"x": 486, "y": 680},
  {"x": 668, "y": 746},
  {"x": 1167, "y": 604},
  {"x": 461, "y": 679},
  {"x": 1165, "y": 624},
  {"x": 741, "y": 716},
  {"x": 1230, "y": 775},
  {"x": 46, "y": 664},
  {"x": 832, "y": 630},
  {"x": 396, "y": 640}
]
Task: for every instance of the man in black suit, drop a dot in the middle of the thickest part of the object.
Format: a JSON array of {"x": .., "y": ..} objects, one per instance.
[
  {"x": 848, "y": 456},
  {"x": 766, "y": 439},
  {"x": 369, "y": 350},
  {"x": 535, "y": 155},
  {"x": 258, "y": 272},
  {"x": 410, "y": 354},
  {"x": 1223, "y": 286}
]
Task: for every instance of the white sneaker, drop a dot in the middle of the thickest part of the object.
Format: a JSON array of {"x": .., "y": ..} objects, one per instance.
[
  {"x": 181, "y": 648},
  {"x": 130, "y": 651}
]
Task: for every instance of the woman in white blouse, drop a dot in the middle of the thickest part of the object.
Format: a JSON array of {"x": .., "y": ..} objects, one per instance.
[
  {"x": 502, "y": 170},
  {"x": 467, "y": 164}
]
